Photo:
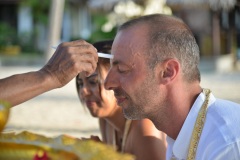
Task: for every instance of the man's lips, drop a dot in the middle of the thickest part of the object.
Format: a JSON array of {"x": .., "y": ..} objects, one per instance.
[
  {"x": 120, "y": 95},
  {"x": 120, "y": 99}
]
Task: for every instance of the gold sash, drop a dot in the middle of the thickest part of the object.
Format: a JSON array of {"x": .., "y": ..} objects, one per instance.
[{"x": 198, "y": 127}]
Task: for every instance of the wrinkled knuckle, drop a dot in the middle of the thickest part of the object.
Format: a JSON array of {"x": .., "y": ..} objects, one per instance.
[
  {"x": 79, "y": 68},
  {"x": 63, "y": 44},
  {"x": 91, "y": 69},
  {"x": 71, "y": 54},
  {"x": 82, "y": 41},
  {"x": 68, "y": 50},
  {"x": 94, "y": 66},
  {"x": 86, "y": 46},
  {"x": 75, "y": 65}
]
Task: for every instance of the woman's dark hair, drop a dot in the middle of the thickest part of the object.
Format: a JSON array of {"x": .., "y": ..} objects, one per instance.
[{"x": 103, "y": 47}]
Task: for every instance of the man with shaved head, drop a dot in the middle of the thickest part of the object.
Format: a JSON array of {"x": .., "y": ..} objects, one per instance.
[{"x": 155, "y": 75}]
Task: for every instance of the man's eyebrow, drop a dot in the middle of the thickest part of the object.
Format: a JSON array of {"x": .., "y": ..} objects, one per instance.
[{"x": 119, "y": 62}]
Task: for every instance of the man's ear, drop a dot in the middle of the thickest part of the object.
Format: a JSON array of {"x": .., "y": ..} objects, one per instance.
[{"x": 169, "y": 70}]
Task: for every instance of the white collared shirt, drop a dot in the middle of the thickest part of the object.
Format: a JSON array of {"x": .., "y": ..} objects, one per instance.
[{"x": 220, "y": 139}]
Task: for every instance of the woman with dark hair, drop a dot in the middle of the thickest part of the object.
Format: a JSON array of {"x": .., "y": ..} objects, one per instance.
[{"x": 137, "y": 137}]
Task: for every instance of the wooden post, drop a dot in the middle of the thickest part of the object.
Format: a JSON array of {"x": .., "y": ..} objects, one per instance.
[
  {"x": 55, "y": 26},
  {"x": 216, "y": 34}
]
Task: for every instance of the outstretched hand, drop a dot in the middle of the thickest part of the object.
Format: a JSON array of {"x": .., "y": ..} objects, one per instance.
[{"x": 69, "y": 60}]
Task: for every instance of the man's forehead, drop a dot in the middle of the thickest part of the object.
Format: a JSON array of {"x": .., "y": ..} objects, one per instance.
[
  {"x": 127, "y": 58},
  {"x": 128, "y": 44},
  {"x": 123, "y": 51},
  {"x": 122, "y": 58}
]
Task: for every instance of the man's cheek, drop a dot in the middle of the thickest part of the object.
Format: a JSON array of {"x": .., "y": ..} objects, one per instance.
[{"x": 108, "y": 94}]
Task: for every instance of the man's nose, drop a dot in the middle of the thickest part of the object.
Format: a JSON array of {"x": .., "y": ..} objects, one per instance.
[{"x": 111, "y": 80}]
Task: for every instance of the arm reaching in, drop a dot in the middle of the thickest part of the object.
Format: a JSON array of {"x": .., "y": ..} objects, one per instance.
[{"x": 69, "y": 59}]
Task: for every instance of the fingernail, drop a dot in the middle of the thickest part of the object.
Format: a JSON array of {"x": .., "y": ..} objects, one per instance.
[{"x": 87, "y": 74}]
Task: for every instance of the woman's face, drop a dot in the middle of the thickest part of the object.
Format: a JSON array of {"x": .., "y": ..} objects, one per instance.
[{"x": 100, "y": 102}]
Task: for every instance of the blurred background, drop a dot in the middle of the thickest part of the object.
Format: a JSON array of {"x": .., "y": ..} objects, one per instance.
[{"x": 28, "y": 29}]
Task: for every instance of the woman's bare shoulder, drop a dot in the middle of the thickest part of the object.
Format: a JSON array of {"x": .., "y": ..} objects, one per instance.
[
  {"x": 144, "y": 127},
  {"x": 149, "y": 142}
]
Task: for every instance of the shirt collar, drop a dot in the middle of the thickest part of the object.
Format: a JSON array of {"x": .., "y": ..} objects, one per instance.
[{"x": 181, "y": 145}]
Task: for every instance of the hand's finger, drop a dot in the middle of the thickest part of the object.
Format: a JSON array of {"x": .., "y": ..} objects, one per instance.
[
  {"x": 88, "y": 68},
  {"x": 78, "y": 57},
  {"x": 73, "y": 43},
  {"x": 82, "y": 49},
  {"x": 88, "y": 50},
  {"x": 76, "y": 43}
]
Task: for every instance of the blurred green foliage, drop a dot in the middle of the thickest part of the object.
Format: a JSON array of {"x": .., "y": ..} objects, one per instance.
[
  {"x": 98, "y": 20},
  {"x": 40, "y": 9},
  {"x": 40, "y": 13},
  {"x": 7, "y": 35},
  {"x": 26, "y": 42}
]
